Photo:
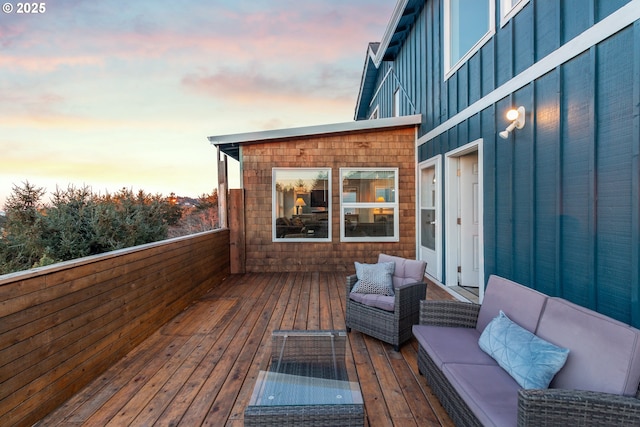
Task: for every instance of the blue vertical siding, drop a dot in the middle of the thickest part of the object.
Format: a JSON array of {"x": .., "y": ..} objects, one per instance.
[
  {"x": 614, "y": 137},
  {"x": 577, "y": 209},
  {"x": 503, "y": 207},
  {"x": 547, "y": 32},
  {"x": 605, "y": 8},
  {"x": 523, "y": 197},
  {"x": 561, "y": 196},
  {"x": 577, "y": 16},
  {"x": 522, "y": 29},
  {"x": 462, "y": 87},
  {"x": 504, "y": 63},
  {"x": 487, "y": 59},
  {"x": 474, "y": 80},
  {"x": 635, "y": 181},
  {"x": 547, "y": 193},
  {"x": 488, "y": 122}
]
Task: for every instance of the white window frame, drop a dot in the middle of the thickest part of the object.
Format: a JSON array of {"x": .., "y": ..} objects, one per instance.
[
  {"x": 395, "y": 206},
  {"x": 509, "y": 9},
  {"x": 449, "y": 68},
  {"x": 275, "y": 200},
  {"x": 375, "y": 114}
]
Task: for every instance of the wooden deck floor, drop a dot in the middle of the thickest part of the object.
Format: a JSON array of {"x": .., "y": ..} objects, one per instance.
[{"x": 200, "y": 368}]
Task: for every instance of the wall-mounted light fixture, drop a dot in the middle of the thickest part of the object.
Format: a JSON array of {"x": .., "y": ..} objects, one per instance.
[{"x": 517, "y": 121}]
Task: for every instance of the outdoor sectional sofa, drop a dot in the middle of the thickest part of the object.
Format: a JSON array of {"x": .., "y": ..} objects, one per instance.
[{"x": 597, "y": 385}]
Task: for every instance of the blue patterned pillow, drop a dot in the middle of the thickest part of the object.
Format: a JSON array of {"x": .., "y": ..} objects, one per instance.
[
  {"x": 375, "y": 278},
  {"x": 530, "y": 360}
]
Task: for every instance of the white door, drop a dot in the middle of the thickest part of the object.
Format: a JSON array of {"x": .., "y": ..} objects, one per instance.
[
  {"x": 468, "y": 220},
  {"x": 463, "y": 233},
  {"x": 429, "y": 217}
]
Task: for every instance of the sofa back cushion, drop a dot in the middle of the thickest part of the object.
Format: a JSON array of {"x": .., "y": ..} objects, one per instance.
[
  {"x": 521, "y": 304},
  {"x": 407, "y": 270},
  {"x": 605, "y": 353}
]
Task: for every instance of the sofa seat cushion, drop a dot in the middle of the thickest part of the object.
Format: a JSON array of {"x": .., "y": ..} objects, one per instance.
[
  {"x": 451, "y": 345},
  {"x": 488, "y": 390},
  {"x": 383, "y": 302},
  {"x": 605, "y": 353}
]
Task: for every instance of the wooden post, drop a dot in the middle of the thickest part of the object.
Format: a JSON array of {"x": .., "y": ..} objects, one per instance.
[
  {"x": 237, "y": 231},
  {"x": 222, "y": 190}
]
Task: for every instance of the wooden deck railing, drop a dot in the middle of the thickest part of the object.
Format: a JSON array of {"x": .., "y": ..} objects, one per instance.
[{"x": 61, "y": 326}]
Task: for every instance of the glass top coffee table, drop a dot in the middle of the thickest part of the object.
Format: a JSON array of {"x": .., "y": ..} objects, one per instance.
[{"x": 306, "y": 384}]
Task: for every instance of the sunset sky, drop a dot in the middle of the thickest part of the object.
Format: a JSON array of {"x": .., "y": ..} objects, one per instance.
[{"x": 114, "y": 94}]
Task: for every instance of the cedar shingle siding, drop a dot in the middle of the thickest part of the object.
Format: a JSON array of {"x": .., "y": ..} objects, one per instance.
[{"x": 376, "y": 148}]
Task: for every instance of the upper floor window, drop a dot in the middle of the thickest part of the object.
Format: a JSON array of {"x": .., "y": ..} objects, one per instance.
[
  {"x": 369, "y": 205},
  {"x": 468, "y": 25},
  {"x": 396, "y": 103},
  {"x": 509, "y": 8},
  {"x": 301, "y": 204},
  {"x": 375, "y": 113}
]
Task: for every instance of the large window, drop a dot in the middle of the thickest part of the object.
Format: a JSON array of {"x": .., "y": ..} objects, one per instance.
[
  {"x": 369, "y": 205},
  {"x": 301, "y": 204},
  {"x": 468, "y": 25}
]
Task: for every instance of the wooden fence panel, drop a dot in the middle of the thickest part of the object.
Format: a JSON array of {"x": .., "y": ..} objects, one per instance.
[{"x": 62, "y": 326}]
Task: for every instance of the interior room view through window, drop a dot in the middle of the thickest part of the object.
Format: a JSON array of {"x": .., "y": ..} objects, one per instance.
[
  {"x": 369, "y": 205},
  {"x": 301, "y": 204}
]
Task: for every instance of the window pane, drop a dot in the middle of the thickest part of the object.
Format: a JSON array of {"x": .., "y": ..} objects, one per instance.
[
  {"x": 468, "y": 23},
  {"x": 428, "y": 237},
  {"x": 301, "y": 203},
  {"x": 369, "y": 222},
  {"x": 369, "y": 187}
]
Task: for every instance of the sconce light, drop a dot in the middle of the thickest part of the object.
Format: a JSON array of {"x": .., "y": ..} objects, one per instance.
[
  {"x": 517, "y": 121},
  {"x": 299, "y": 203}
]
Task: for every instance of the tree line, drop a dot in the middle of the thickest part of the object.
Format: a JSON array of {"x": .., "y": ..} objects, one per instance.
[{"x": 78, "y": 223}]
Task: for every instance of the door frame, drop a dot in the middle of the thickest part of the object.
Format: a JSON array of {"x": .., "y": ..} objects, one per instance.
[
  {"x": 451, "y": 212},
  {"x": 436, "y": 162}
]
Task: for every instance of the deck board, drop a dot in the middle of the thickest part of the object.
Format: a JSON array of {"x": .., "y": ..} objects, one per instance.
[{"x": 200, "y": 368}]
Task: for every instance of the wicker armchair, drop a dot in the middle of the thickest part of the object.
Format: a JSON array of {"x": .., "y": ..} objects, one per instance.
[{"x": 393, "y": 327}]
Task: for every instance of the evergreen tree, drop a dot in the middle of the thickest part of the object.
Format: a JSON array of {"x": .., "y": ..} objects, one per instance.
[
  {"x": 20, "y": 246},
  {"x": 76, "y": 224}
]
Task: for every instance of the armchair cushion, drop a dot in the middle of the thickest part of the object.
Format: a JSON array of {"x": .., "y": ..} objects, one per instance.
[
  {"x": 383, "y": 302},
  {"x": 406, "y": 270},
  {"x": 374, "y": 278}
]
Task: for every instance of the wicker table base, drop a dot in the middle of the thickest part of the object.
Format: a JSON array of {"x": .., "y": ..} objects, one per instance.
[{"x": 307, "y": 383}]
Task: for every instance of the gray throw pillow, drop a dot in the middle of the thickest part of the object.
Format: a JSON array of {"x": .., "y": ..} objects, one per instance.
[{"x": 374, "y": 278}]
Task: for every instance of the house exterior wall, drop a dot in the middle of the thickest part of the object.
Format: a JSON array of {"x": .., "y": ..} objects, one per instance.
[
  {"x": 382, "y": 148},
  {"x": 561, "y": 196}
]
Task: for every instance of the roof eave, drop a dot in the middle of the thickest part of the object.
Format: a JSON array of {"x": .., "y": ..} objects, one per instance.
[
  {"x": 230, "y": 144},
  {"x": 396, "y": 16},
  {"x": 369, "y": 72}
]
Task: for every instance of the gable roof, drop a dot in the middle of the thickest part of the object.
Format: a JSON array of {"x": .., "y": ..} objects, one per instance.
[
  {"x": 230, "y": 144},
  {"x": 398, "y": 29}
]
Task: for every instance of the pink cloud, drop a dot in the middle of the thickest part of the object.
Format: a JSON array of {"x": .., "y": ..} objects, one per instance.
[
  {"x": 300, "y": 32},
  {"x": 252, "y": 83},
  {"x": 44, "y": 64}
]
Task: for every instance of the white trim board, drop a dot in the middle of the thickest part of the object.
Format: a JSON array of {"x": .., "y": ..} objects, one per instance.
[
  {"x": 612, "y": 24},
  {"x": 390, "y": 30},
  {"x": 358, "y": 125}
]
